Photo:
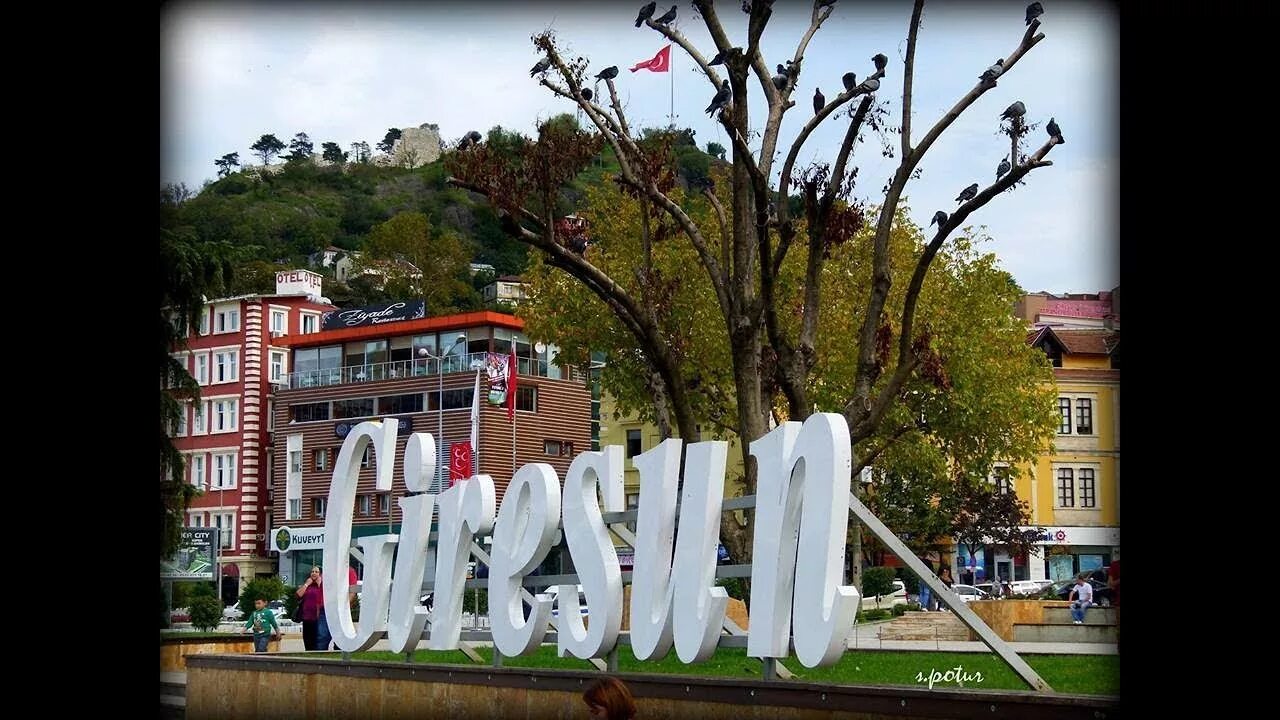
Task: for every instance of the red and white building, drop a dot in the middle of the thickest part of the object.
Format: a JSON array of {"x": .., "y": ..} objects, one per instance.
[{"x": 235, "y": 355}]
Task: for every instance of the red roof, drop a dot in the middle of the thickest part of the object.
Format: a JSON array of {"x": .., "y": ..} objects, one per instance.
[{"x": 407, "y": 327}]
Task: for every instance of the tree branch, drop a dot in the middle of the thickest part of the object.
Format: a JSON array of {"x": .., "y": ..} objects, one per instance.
[
  {"x": 870, "y": 457},
  {"x": 710, "y": 195},
  {"x": 908, "y": 75}
]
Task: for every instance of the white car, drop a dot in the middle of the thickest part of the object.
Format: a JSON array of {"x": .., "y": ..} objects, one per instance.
[
  {"x": 232, "y": 612},
  {"x": 1029, "y": 587},
  {"x": 554, "y": 592},
  {"x": 969, "y": 593}
]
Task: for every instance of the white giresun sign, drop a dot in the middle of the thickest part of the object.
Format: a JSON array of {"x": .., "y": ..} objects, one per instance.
[{"x": 802, "y": 510}]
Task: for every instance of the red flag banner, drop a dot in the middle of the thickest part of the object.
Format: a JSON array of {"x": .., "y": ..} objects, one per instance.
[
  {"x": 660, "y": 62},
  {"x": 459, "y": 462},
  {"x": 511, "y": 384}
]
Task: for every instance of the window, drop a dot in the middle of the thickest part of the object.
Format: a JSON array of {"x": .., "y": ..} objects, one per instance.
[
  {"x": 197, "y": 471},
  {"x": 1002, "y": 479},
  {"x": 226, "y": 366},
  {"x": 295, "y": 509},
  {"x": 1084, "y": 416},
  {"x": 224, "y": 471},
  {"x": 360, "y": 407},
  {"x": 226, "y": 319},
  {"x": 318, "y": 506},
  {"x": 399, "y": 404},
  {"x": 367, "y": 457},
  {"x": 180, "y": 428},
  {"x": 307, "y": 412},
  {"x": 295, "y": 461},
  {"x": 200, "y": 418},
  {"x": 202, "y": 368},
  {"x": 277, "y": 366},
  {"x": 1066, "y": 488},
  {"x": 362, "y": 504},
  {"x": 633, "y": 443},
  {"x": 453, "y": 399},
  {"x": 526, "y": 398},
  {"x": 384, "y": 503},
  {"x": 551, "y": 447},
  {"x": 204, "y": 321},
  {"x": 1064, "y": 409},
  {"x": 224, "y": 415},
  {"x": 321, "y": 458},
  {"x": 279, "y": 322},
  {"x": 1088, "y": 490},
  {"x": 195, "y": 519},
  {"x": 226, "y": 524},
  {"x": 310, "y": 323}
]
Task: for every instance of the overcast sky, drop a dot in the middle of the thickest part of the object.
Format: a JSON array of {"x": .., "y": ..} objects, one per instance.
[{"x": 346, "y": 72}]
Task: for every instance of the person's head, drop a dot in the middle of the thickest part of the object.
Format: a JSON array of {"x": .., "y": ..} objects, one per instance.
[
  {"x": 259, "y": 603},
  {"x": 609, "y": 699},
  {"x": 1079, "y": 579},
  {"x": 315, "y": 572}
]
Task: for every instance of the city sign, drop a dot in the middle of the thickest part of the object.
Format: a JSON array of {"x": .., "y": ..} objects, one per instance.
[
  {"x": 195, "y": 559},
  {"x": 802, "y": 510}
]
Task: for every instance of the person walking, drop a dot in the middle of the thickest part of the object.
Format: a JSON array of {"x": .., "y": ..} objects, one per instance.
[
  {"x": 1081, "y": 597},
  {"x": 263, "y": 623}
]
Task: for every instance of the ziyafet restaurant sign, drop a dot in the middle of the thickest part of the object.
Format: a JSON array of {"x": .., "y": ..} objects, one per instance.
[
  {"x": 373, "y": 315},
  {"x": 802, "y": 510}
]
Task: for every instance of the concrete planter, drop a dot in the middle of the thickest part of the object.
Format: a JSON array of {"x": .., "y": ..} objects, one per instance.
[{"x": 175, "y": 648}]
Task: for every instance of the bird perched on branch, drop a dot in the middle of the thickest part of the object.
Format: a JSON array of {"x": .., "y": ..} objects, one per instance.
[
  {"x": 1003, "y": 168},
  {"x": 646, "y": 12},
  {"x": 471, "y": 138},
  {"x": 1015, "y": 110},
  {"x": 780, "y": 80},
  {"x": 968, "y": 193},
  {"x": 542, "y": 66},
  {"x": 586, "y": 94},
  {"x": 850, "y": 81},
  {"x": 939, "y": 219},
  {"x": 870, "y": 85},
  {"x": 667, "y": 18},
  {"x": 993, "y": 72},
  {"x": 880, "y": 60},
  {"x": 721, "y": 99},
  {"x": 718, "y": 59},
  {"x": 608, "y": 73},
  {"x": 1034, "y": 10},
  {"x": 819, "y": 101},
  {"x": 1055, "y": 132}
]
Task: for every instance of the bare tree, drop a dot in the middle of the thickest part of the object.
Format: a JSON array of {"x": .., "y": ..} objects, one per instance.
[{"x": 745, "y": 268}]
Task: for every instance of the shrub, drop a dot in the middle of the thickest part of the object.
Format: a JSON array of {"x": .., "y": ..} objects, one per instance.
[
  {"x": 734, "y": 587},
  {"x": 877, "y": 581},
  {"x": 872, "y": 615},
  {"x": 206, "y": 611},
  {"x": 909, "y": 580},
  {"x": 269, "y": 588},
  {"x": 900, "y": 610},
  {"x": 291, "y": 599}
]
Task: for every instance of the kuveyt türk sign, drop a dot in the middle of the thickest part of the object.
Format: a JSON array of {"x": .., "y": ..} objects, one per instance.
[
  {"x": 374, "y": 314},
  {"x": 802, "y": 511}
]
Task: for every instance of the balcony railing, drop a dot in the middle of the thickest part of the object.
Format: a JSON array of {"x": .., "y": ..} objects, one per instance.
[{"x": 400, "y": 369}]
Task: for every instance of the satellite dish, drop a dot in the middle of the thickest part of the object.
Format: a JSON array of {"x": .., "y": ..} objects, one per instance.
[{"x": 541, "y": 348}]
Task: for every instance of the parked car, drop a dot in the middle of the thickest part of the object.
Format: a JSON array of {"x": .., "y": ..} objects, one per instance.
[
  {"x": 232, "y": 612},
  {"x": 969, "y": 593},
  {"x": 1061, "y": 590},
  {"x": 277, "y": 608},
  {"x": 554, "y": 591},
  {"x": 1029, "y": 588}
]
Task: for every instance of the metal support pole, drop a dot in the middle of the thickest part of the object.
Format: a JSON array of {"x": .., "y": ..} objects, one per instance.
[
  {"x": 497, "y": 657},
  {"x": 612, "y": 659},
  {"x": 770, "y": 669}
]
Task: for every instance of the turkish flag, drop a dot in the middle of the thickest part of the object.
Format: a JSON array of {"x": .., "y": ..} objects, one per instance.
[
  {"x": 459, "y": 462},
  {"x": 660, "y": 62}
]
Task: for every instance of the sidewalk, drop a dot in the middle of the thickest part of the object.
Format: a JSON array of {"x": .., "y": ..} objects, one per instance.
[{"x": 867, "y": 638}]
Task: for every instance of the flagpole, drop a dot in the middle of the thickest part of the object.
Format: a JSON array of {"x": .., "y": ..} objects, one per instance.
[{"x": 672, "y": 72}]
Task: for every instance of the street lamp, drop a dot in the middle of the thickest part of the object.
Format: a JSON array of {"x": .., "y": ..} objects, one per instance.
[{"x": 462, "y": 337}]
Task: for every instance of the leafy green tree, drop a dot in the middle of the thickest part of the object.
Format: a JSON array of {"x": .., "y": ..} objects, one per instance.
[
  {"x": 417, "y": 262},
  {"x": 268, "y": 588},
  {"x": 389, "y": 140},
  {"x": 267, "y": 147},
  {"x": 206, "y": 608},
  {"x": 300, "y": 148},
  {"x": 716, "y": 149},
  {"x": 877, "y": 581},
  {"x": 360, "y": 151},
  {"x": 333, "y": 153},
  {"x": 226, "y": 162}
]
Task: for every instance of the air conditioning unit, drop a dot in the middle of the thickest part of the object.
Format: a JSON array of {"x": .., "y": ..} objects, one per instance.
[{"x": 277, "y": 387}]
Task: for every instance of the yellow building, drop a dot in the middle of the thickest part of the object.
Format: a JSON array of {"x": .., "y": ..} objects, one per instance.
[{"x": 1074, "y": 492}]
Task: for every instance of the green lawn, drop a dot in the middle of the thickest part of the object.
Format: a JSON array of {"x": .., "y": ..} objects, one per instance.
[{"x": 1082, "y": 674}]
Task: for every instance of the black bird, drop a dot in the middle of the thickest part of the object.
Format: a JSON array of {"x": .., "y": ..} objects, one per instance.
[
  {"x": 870, "y": 85},
  {"x": 721, "y": 99},
  {"x": 608, "y": 73},
  {"x": 819, "y": 102},
  {"x": 542, "y": 66},
  {"x": 993, "y": 72},
  {"x": 1055, "y": 132},
  {"x": 939, "y": 219},
  {"x": 968, "y": 193},
  {"x": 718, "y": 59},
  {"x": 1034, "y": 10},
  {"x": 780, "y": 80},
  {"x": 880, "y": 60},
  {"x": 586, "y": 94},
  {"x": 826, "y": 3},
  {"x": 474, "y": 136},
  {"x": 1003, "y": 168},
  {"x": 646, "y": 12},
  {"x": 850, "y": 81},
  {"x": 667, "y": 18},
  {"x": 1015, "y": 110}
]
